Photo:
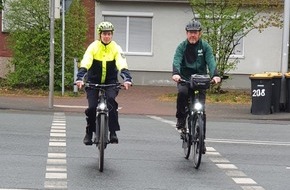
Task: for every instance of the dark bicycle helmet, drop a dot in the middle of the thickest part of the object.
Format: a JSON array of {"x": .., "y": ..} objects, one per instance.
[
  {"x": 105, "y": 26},
  {"x": 193, "y": 25}
]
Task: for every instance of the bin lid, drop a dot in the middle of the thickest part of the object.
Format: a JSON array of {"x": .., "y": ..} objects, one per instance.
[
  {"x": 287, "y": 75},
  {"x": 275, "y": 74},
  {"x": 261, "y": 76}
]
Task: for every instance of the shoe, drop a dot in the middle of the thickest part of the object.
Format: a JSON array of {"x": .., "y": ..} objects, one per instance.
[
  {"x": 113, "y": 138},
  {"x": 180, "y": 123},
  {"x": 88, "y": 139}
]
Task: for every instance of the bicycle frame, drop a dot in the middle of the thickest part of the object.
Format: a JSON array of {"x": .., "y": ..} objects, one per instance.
[
  {"x": 102, "y": 109},
  {"x": 196, "y": 120},
  {"x": 196, "y": 125},
  {"x": 102, "y": 120}
]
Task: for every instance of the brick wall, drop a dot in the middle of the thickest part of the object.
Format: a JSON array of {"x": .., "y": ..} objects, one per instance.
[
  {"x": 90, "y": 5},
  {"x": 4, "y": 51}
]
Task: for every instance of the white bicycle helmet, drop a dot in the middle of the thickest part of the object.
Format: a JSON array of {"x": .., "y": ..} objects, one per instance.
[{"x": 105, "y": 26}]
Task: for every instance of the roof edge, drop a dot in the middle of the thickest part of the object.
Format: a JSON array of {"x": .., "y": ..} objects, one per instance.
[{"x": 153, "y": 1}]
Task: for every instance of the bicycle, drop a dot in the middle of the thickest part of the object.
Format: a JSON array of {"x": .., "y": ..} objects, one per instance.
[
  {"x": 194, "y": 132},
  {"x": 100, "y": 135}
]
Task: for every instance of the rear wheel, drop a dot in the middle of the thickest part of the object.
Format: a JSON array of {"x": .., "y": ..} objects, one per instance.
[
  {"x": 102, "y": 141},
  {"x": 198, "y": 141}
]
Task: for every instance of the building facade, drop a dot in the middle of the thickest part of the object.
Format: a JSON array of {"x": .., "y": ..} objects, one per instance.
[
  {"x": 158, "y": 26},
  {"x": 150, "y": 30}
]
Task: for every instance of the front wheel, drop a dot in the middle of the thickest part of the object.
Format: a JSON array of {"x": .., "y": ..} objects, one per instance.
[
  {"x": 102, "y": 141},
  {"x": 197, "y": 140},
  {"x": 186, "y": 144}
]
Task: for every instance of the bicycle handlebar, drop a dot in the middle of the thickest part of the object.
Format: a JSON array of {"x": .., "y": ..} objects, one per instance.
[
  {"x": 188, "y": 82},
  {"x": 102, "y": 86}
]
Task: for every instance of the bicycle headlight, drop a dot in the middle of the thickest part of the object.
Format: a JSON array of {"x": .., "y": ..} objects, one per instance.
[
  {"x": 198, "y": 106},
  {"x": 102, "y": 106}
]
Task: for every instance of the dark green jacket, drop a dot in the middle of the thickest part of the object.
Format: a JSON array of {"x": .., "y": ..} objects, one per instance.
[{"x": 204, "y": 60}]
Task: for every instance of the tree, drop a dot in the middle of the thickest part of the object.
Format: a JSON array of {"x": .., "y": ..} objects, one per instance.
[
  {"x": 76, "y": 28},
  {"x": 29, "y": 40},
  {"x": 226, "y": 22},
  {"x": 28, "y": 25},
  {"x": 1, "y": 4}
]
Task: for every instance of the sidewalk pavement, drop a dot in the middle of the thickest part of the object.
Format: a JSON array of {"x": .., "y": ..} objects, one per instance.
[{"x": 138, "y": 100}]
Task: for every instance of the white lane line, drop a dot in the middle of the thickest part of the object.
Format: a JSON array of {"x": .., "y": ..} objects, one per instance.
[
  {"x": 56, "y": 176},
  {"x": 219, "y": 160},
  {"x": 162, "y": 120},
  {"x": 213, "y": 153},
  {"x": 56, "y": 139},
  {"x": 57, "y": 130},
  {"x": 57, "y": 143},
  {"x": 235, "y": 173},
  {"x": 227, "y": 166},
  {"x": 252, "y": 188},
  {"x": 57, "y": 134},
  {"x": 56, "y": 168},
  {"x": 55, "y": 184},
  {"x": 70, "y": 106},
  {"x": 56, "y": 155},
  {"x": 58, "y": 127},
  {"x": 239, "y": 177},
  {"x": 56, "y": 161},
  {"x": 243, "y": 180},
  {"x": 250, "y": 142}
]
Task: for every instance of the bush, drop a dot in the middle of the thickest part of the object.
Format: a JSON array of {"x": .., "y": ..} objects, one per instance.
[{"x": 29, "y": 41}]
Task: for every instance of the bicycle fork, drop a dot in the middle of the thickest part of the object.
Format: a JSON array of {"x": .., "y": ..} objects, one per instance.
[{"x": 102, "y": 114}]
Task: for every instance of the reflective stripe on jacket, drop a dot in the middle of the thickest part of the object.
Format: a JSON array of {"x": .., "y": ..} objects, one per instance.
[{"x": 103, "y": 62}]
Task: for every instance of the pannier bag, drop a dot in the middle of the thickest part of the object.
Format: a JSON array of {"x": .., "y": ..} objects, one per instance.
[{"x": 199, "y": 82}]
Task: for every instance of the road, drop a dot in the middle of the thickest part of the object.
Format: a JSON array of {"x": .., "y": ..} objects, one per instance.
[{"x": 44, "y": 150}]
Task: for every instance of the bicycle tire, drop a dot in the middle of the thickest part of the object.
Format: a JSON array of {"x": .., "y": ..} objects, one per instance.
[
  {"x": 186, "y": 145},
  {"x": 102, "y": 141},
  {"x": 197, "y": 140},
  {"x": 186, "y": 140}
]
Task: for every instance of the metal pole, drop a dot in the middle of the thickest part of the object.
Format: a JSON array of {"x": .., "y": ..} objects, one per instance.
[
  {"x": 63, "y": 45},
  {"x": 75, "y": 74},
  {"x": 51, "y": 58},
  {"x": 285, "y": 48}
]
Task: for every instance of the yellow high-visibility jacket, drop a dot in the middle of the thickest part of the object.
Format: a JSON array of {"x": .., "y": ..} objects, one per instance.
[{"x": 103, "y": 62}]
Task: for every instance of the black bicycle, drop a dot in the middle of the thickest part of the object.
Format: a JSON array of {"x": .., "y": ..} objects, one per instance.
[
  {"x": 100, "y": 137},
  {"x": 194, "y": 132}
]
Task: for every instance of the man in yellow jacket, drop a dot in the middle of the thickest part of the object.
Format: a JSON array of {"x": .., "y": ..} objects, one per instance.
[{"x": 102, "y": 62}]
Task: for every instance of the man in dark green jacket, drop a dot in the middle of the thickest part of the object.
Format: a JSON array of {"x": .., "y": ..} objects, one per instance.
[{"x": 192, "y": 56}]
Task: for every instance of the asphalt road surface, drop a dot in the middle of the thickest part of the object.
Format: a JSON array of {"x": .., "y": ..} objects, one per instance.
[{"x": 44, "y": 150}]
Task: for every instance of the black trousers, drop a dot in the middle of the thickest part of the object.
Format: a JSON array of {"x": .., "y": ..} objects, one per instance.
[
  {"x": 183, "y": 97},
  {"x": 92, "y": 97}
]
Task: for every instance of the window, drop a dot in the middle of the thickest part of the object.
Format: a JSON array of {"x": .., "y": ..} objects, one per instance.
[{"x": 133, "y": 31}]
